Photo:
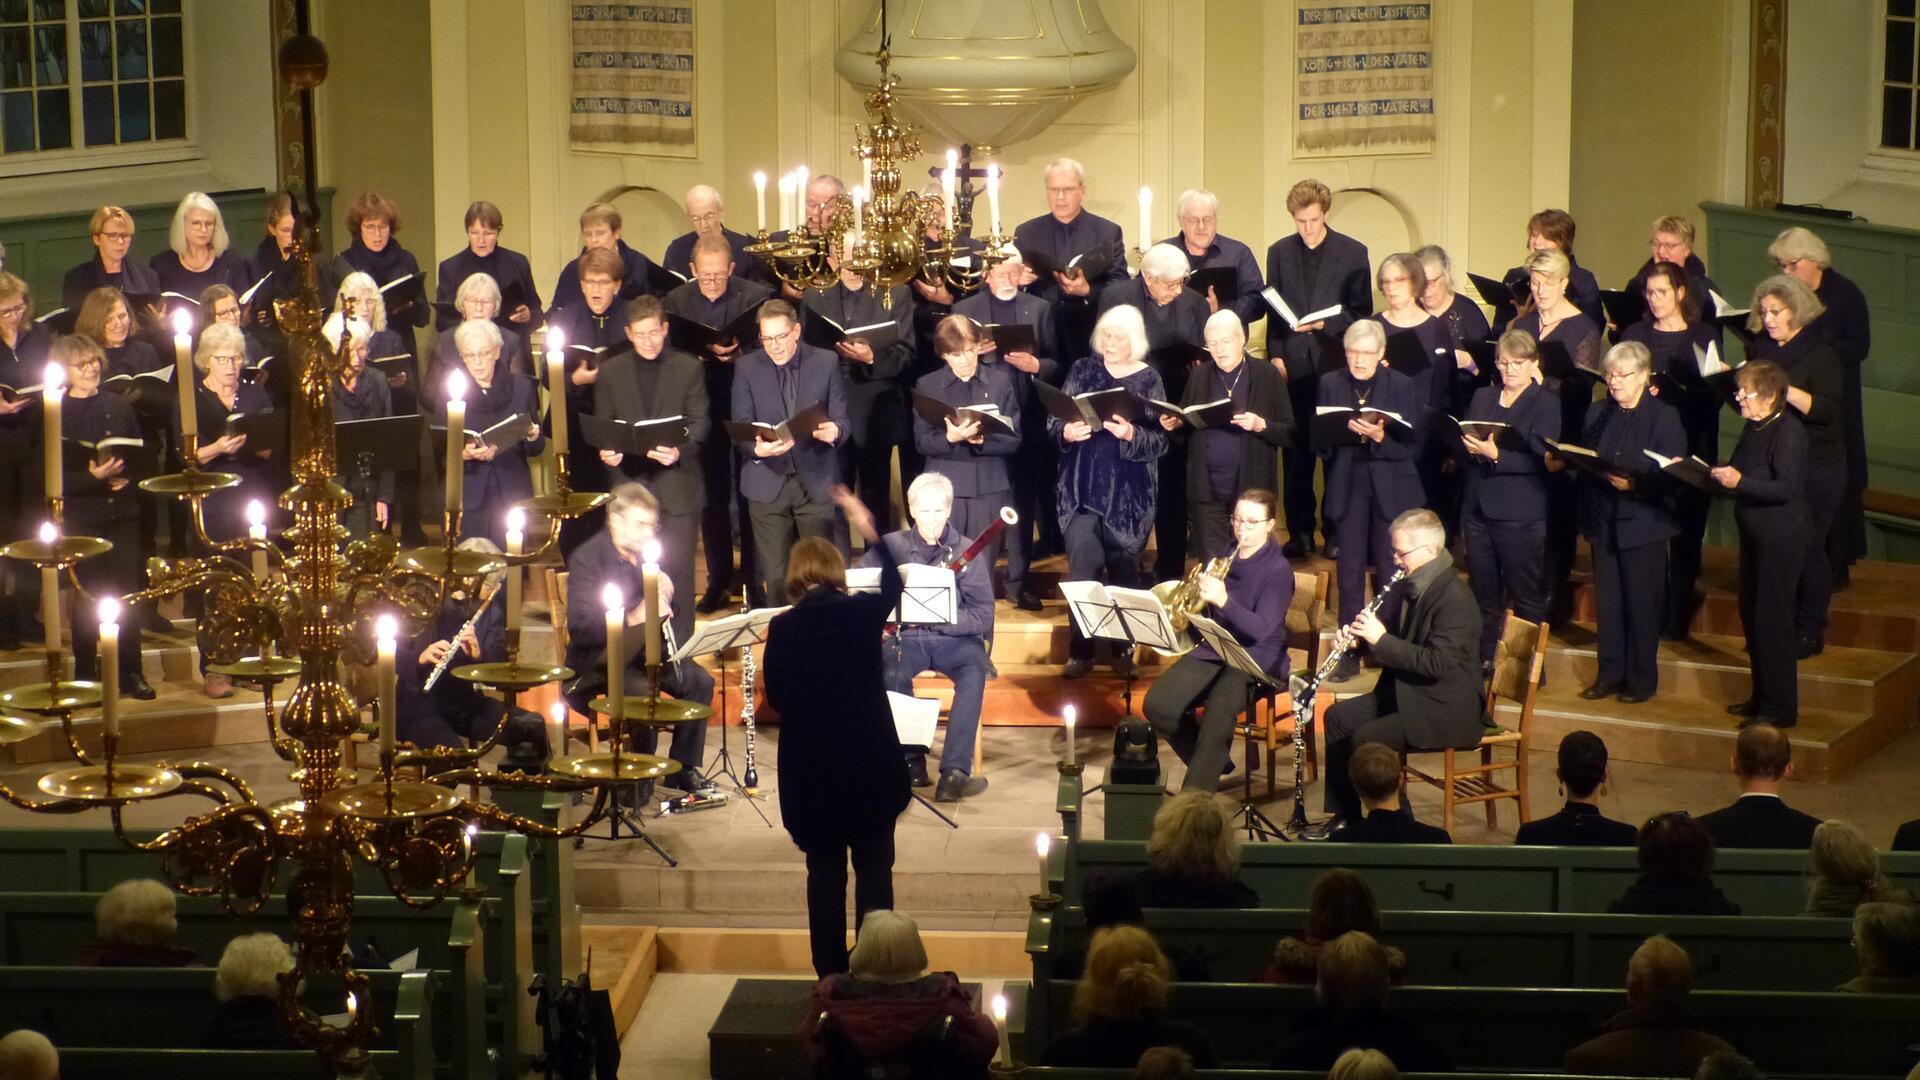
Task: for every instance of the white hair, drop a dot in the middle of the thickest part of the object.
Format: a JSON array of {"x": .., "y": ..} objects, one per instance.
[
  {"x": 1375, "y": 339},
  {"x": 361, "y": 284},
  {"x": 1125, "y": 319},
  {"x": 28, "y": 1055},
  {"x": 477, "y": 332},
  {"x": 1078, "y": 170},
  {"x": 930, "y": 482},
  {"x": 476, "y": 287},
  {"x": 1230, "y": 321},
  {"x": 707, "y": 191},
  {"x": 137, "y": 912},
  {"x": 1797, "y": 242},
  {"x": 251, "y": 966},
  {"x": 1164, "y": 262},
  {"x": 356, "y": 329},
  {"x": 1635, "y": 356},
  {"x": 1422, "y": 525},
  {"x": 177, "y": 234},
  {"x": 1196, "y": 195}
]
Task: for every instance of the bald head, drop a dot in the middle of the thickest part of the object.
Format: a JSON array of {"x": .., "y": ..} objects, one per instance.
[
  {"x": 1659, "y": 975},
  {"x": 821, "y": 191},
  {"x": 1762, "y": 757},
  {"x": 705, "y": 208}
]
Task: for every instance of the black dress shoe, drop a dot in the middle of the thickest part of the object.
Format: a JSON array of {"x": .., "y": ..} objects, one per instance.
[
  {"x": 956, "y": 785},
  {"x": 1345, "y": 670},
  {"x": 993, "y": 670},
  {"x": 1076, "y": 668},
  {"x": 1599, "y": 690},
  {"x": 917, "y": 771},
  {"x": 1294, "y": 549},
  {"x": 712, "y": 602},
  {"x": 1322, "y": 831},
  {"x": 1026, "y": 601},
  {"x": 1749, "y": 707},
  {"x": 1633, "y": 697},
  {"x": 1811, "y": 646},
  {"x": 757, "y": 598},
  {"x": 136, "y": 686},
  {"x": 1769, "y": 718}
]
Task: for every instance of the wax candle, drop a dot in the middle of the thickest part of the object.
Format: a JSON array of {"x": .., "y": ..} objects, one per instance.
[
  {"x": 516, "y": 541},
  {"x": 557, "y": 388},
  {"x": 557, "y": 732},
  {"x": 866, "y": 173},
  {"x": 760, "y": 201},
  {"x": 1000, "y": 1025},
  {"x": 650, "y": 586},
  {"x": 456, "y": 437},
  {"x": 110, "y": 666},
  {"x": 1146, "y": 218},
  {"x": 1071, "y": 715},
  {"x": 616, "y": 606},
  {"x": 786, "y": 203},
  {"x": 1042, "y": 843},
  {"x": 53, "y": 383},
  {"x": 50, "y": 595},
  {"x": 386, "y": 630},
  {"x": 946, "y": 198},
  {"x": 859, "y": 209},
  {"x": 183, "y": 373},
  {"x": 257, "y": 533},
  {"x": 993, "y": 197}
]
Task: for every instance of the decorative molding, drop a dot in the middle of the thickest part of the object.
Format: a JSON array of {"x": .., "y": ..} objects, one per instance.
[
  {"x": 1766, "y": 103},
  {"x": 289, "y": 150}
]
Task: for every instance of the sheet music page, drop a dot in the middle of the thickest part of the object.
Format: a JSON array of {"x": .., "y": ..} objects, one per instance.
[
  {"x": 914, "y": 718},
  {"x": 1090, "y": 606},
  {"x": 1146, "y": 618}
]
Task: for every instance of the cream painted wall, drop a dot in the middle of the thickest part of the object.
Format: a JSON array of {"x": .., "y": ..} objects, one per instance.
[
  {"x": 1649, "y": 135},
  {"x": 1830, "y": 64},
  {"x": 377, "y": 114}
]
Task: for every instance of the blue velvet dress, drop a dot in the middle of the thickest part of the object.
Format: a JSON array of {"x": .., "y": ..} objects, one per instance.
[{"x": 1113, "y": 480}]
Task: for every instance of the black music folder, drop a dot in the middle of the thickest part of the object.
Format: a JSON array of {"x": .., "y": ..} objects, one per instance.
[
  {"x": 1223, "y": 280},
  {"x": 381, "y": 444},
  {"x": 632, "y": 436},
  {"x": 796, "y": 427},
  {"x": 142, "y": 460},
  {"x": 822, "y": 332},
  {"x": 1093, "y": 407},
  {"x": 694, "y": 336}
]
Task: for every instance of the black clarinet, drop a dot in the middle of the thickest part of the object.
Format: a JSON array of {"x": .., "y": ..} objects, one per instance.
[{"x": 1303, "y": 700}]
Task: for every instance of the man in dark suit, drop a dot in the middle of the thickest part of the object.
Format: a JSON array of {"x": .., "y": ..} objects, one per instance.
[
  {"x": 652, "y": 383},
  {"x": 1053, "y": 239},
  {"x": 1313, "y": 269},
  {"x": 1375, "y": 774},
  {"x": 1428, "y": 696},
  {"x": 715, "y": 298},
  {"x": 1001, "y": 303},
  {"x": 706, "y": 210},
  {"x": 1204, "y": 247},
  {"x": 788, "y": 481},
  {"x": 872, "y": 374},
  {"x": 1762, "y": 759}
]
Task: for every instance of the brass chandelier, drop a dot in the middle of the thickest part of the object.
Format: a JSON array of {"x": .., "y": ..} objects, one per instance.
[{"x": 278, "y": 612}]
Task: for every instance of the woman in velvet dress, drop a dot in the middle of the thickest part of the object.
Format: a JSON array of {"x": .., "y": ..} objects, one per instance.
[
  {"x": 1108, "y": 475},
  {"x": 495, "y": 479},
  {"x": 198, "y": 255},
  {"x": 1671, "y": 332}
]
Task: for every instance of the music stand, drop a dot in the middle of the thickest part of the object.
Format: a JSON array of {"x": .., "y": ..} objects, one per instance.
[
  {"x": 929, "y": 595},
  {"x": 382, "y": 439},
  {"x": 742, "y": 631},
  {"x": 1235, "y": 656},
  {"x": 1134, "y": 616}
]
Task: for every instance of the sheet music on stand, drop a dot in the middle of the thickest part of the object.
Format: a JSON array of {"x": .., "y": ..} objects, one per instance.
[
  {"x": 914, "y": 718},
  {"x": 747, "y": 628},
  {"x": 1135, "y": 616},
  {"x": 929, "y": 595},
  {"x": 1234, "y": 654}
]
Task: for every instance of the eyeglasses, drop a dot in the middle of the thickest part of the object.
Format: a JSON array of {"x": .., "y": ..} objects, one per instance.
[
  {"x": 1238, "y": 521},
  {"x": 1508, "y": 363},
  {"x": 1787, "y": 265},
  {"x": 1621, "y": 376},
  {"x": 11, "y": 310},
  {"x": 718, "y": 276},
  {"x": 768, "y": 339},
  {"x": 226, "y": 359},
  {"x": 122, "y": 237},
  {"x": 1407, "y": 553},
  {"x": 708, "y": 218}
]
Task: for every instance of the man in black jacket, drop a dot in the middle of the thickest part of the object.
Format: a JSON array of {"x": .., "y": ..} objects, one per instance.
[
  {"x": 1375, "y": 774},
  {"x": 1428, "y": 696},
  {"x": 1762, "y": 758}
]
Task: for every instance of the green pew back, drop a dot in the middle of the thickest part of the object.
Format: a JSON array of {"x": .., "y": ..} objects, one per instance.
[
  {"x": 1745, "y": 952},
  {"x": 1824, "y": 1035},
  {"x": 1473, "y": 878},
  {"x": 120, "y": 1063},
  {"x": 149, "y": 1011},
  {"x": 1033, "y": 1072}
]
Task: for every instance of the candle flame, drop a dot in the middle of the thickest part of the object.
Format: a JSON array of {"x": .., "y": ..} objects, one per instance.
[
  {"x": 1000, "y": 1007},
  {"x": 560, "y": 713},
  {"x": 611, "y": 599},
  {"x": 953, "y": 158},
  {"x": 386, "y": 628},
  {"x": 1072, "y": 714},
  {"x": 182, "y": 323},
  {"x": 109, "y": 611},
  {"x": 353, "y": 1004},
  {"x": 556, "y": 340},
  {"x": 473, "y": 828},
  {"x": 1146, "y": 196},
  {"x": 759, "y": 179},
  {"x": 48, "y": 534},
  {"x": 256, "y": 513},
  {"x": 54, "y": 378},
  {"x": 650, "y": 551},
  {"x": 456, "y": 386},
  {"x": 516, "y": 520},
  {"x": 1042, "y": 843}
]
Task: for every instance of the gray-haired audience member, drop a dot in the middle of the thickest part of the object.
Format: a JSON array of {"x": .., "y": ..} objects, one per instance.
[
  {"x": 1655, "y": 1035},
  {"x": 28, "y": 1055},
  {"x": 1886, "y": 945},
  {"x": 247, "y": 986},
  {"x": 135, "y": 924}
]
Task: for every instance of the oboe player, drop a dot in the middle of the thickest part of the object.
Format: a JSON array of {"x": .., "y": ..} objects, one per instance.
[
  {"x": 1252, "y": 605},
  {"x": 957, "y": 649}
]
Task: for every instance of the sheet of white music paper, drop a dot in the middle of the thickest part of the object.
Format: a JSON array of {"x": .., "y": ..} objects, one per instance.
[
  {"x": 928, "y": 597},
  {"x": 914, "y": 718},
  {"x": 744, "y": 628}
]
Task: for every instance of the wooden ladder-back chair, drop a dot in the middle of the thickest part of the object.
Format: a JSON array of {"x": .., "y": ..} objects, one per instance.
[
  {"x": 557, "y": 606},
  {"x": 1517, "y": 662},
  {"x": 1304, "y": 616}
]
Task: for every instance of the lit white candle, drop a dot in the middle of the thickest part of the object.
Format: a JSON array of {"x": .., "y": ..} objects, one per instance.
[
  {"x": 110, "y": 666},
  {"x": 557, "y": 388},
  {"x": 993, "y": 197},
  {"x": 456, "y": 437},
  {"x": 50, "y": 594},
  {"x": 386, "y": 631},
  {"x": 257, "y": 533},
  {"x": 866, "y": 173},
  {"x": 516, "y": 542},
  {"x": 616, "y": 606},
  {"x": 650, "y": 589},
  {"x": 53, "y": 382},
  {"x": 1000, "y": 1025},
  {"x": 760, "y": 201},
  {"x": 1043, "y": 843},
  {"x": 183, "y": 373},
  {"x": 1146, "y": 218},
  {"x": 353, "y": 1007},
  {"x": 859, "y": 209},
  {"x": 1071, "y": 715},
  {"x": 786, "y": 203},
  {"x": 557, "y": 732}
]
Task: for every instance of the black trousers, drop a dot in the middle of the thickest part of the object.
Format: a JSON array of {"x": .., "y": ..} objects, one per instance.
[
  {"x": 1094, "y": 552},
  {"x": 1351, "y": 724},
  {"x": 872, "y": 858},
  {"x": 1826, "y": 488},
  {"x": 1563, "y": 539},
  {"x": 1364, "y": 538},
  {"x": 1170, "y": 515},
  {"x": 1506, "y": 565},
  {"x": 1693, "y": 508},
  {"x": 1297, "y": 464},
  {"x": 1204, "y": 742},
  {"x": 116, "y": 573},
  {"x": 1769, "y": 577},
  {"x": 1032, "y": 471},
  {"x": 1212, "y": 527},
  {"x": 725, "y": 503},
  {"x": 688, "y": 682},
  {"x": 779, "y": 523},
  {"x": 1631, "y": 599}
]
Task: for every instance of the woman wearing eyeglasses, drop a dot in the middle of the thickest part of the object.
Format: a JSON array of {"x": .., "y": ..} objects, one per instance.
[
  {"x": 197, "y": 255},
  {"x": 1627, "y": 519},
  {"x": 1224, "y": 460},
  {"x": 477, "y": 300},
  {"x": 110, "y": 267},
  {"x": 1767, "y": 476},
  {"x": 1503, "y": 510},
  {"x": 495, "y": 477}
]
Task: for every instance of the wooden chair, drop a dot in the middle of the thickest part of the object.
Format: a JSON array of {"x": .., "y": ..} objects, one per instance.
[
  {"x": 1517, "y": 661},
  {"x": 1304, "y": 616}
]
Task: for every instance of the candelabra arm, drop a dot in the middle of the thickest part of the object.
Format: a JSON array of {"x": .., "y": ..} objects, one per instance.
[
  {"x": 43, "y": 806},
  {"x": 73, "y": 741}
]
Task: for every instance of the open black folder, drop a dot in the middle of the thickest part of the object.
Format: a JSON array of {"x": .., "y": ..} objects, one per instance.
[
  {"x": 381, "y": 444},
  {"x": 1094, "y": 407},
  {"x": 632, "y": 436},
  {"x": 1584, "y": 460},
  {"x": 141, "y": 459},
  {"x": 796, "y": 427},
  {"x": 694, "y": 336}
]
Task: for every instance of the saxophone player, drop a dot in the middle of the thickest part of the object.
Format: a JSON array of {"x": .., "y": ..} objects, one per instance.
[
  {"x": 1251, "y": 603},
  {"x": 957, "y": 649}
]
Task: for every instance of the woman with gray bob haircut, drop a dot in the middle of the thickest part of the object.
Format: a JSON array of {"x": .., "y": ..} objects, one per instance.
[
  {"x": 135, "y": 925},
  {"x": 247, "y": 986},
  {"x": 888, "y": 1002}
]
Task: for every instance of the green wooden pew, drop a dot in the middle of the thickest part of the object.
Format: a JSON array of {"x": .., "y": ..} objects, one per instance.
[
  {"x": 135, "y": 1022},
  {"x": 1473, "y": 878},
  {"x": 1825, "y": 1035},
  {"x": 1746, "y": 952},
  {"x": 1037, "y": 1072}
]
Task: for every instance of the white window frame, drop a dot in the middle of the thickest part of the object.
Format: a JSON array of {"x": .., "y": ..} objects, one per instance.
[{"x": 80, "y": 157}]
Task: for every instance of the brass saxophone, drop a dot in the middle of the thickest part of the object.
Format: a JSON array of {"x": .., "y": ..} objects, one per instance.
[{"x": 1182, "y": 598}]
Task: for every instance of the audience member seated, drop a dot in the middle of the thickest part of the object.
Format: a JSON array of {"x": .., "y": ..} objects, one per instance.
[
  {"x": 1340, "y": 902},
  {"x": 1193, "y": 856},
  {"x": 1907, "y": 836},
  {"x": 1656, "y": 1036},
  {"x": 28, "y": 1055},
  {"x": 1726, "y": 1065},
  {"x": 1375, "y": 771},
  {"x": 1164, "y": 1063},
  {"x": 1676, "y": 871},
  {"x": 1762, "y": 758},
  {"x": 1583, "y": 774},
  {"x": 889, "y": 999},
  {"x": 248, "y": 989},
  {"x": 1886, "y": 945},
  {"x": 1363, "y": 1065},
  {"x": 1350, "y": 1010},
  {"x": 1120, "y": 1008},
  {"x": 135, "y": 924},
  {"x": 1112, "y": 898},
  {"x": 1846, "y": 872}
]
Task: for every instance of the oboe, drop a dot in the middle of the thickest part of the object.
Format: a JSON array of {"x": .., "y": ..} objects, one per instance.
[
  {"x": 1303, "y": 700},
  {"x": 487, "y": 592},
  {"x": 750, "y": 782}
]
